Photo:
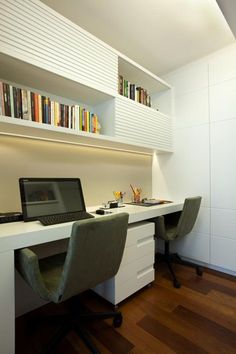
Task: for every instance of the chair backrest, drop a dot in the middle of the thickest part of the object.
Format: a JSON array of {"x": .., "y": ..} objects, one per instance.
[
  {"x": 188, "y": 216},
  {"x": 94, "y": 253}
]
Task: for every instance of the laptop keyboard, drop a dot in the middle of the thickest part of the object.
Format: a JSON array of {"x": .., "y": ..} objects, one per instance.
[{"x": 61, "y": 218}]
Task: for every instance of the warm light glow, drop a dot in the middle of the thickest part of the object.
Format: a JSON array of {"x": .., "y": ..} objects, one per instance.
[{"x": 74, "y": 143}]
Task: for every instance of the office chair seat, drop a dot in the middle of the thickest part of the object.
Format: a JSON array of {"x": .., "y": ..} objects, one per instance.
[
  {"x": 174, "y": 226},
  {"x": 93, "y": 256}
]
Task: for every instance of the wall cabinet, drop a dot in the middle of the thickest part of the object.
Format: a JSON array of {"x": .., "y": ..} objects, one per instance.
[{"x": 41, "y": 50}]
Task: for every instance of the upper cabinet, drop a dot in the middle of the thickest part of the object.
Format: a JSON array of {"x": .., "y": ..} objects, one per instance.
[
  {"x": 37, "y": 35},
  {"x": 42, "y": 51}
]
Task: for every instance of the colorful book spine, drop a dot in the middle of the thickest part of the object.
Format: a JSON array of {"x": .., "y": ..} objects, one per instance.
[
  {"x": 2, "y": 108},
  {"x": 120, "y": 85},
  {"x": 32, "y": 103},
  {"x": 40, "y": 108},
  {"x": 36, "y": 107},
  {"x": 24, "y": 102},
  {"x": 21, "y": 103},
  {"x": 52, "y": 112},
  {"x": 130, "y": 90},
  {"x": 7, "y": 103}
]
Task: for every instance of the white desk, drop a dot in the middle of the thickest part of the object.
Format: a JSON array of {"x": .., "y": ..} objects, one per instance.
[{"x": 19, "y": 234}]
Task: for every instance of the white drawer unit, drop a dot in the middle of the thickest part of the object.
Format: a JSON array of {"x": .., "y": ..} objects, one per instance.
[{"x": 136, "y": 269}]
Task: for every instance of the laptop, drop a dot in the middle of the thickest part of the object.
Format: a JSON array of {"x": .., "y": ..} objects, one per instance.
[{"x": 52, "y": 200}]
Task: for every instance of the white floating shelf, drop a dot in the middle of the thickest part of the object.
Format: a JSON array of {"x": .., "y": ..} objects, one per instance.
[{"x": 32, "y": 130}]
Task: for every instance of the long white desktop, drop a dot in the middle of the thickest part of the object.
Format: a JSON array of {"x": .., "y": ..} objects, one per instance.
[{"x": 17, "y": 235}]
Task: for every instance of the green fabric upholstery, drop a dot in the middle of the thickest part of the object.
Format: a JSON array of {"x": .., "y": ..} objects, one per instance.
[
  {"x": 94, "y": 255},
  {"x": 178, "y": 224}
]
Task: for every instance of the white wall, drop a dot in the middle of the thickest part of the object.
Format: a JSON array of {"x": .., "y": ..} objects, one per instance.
[
  {"x": 204, "y": 162},
  {"x": 101, "y": 171}
]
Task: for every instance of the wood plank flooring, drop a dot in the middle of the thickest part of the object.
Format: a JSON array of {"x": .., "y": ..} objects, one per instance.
[{"x": 198, "y": 318}]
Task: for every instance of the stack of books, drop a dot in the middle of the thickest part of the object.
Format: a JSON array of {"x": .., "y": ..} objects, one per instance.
[
  {"x": 133, "y": 92},
  {"x": 20, "y": 103}
]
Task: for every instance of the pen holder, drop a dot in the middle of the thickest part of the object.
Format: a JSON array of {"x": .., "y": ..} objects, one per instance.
[
  {"x": 136, "y": 198},
  {"x": 136, "y": 194}
]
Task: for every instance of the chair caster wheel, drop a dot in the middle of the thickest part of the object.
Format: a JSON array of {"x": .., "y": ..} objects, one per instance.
[
  {"x": 117, "y": 321},
  {"x": 177, "y": 284},
  {"x": 199, "y": 271}
]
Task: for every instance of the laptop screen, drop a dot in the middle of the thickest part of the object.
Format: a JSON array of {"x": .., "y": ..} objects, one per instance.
[{"x": 50, "y": 196}]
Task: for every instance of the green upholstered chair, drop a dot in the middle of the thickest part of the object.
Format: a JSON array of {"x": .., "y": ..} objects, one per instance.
[
  {"x": 173, "y": 226},
  {"x": 94, "y": 255}
]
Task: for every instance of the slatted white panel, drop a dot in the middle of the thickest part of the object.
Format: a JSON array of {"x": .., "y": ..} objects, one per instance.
[
  {"x": 142, "y": 125},
  {"x": 32, "y": 32}
]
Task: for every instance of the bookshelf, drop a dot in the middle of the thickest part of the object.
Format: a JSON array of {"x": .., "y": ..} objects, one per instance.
[{"x": 44, "y": 51}]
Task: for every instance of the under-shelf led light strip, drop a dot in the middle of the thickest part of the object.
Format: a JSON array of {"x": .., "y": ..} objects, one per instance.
[{"x": 23, "y": 136}]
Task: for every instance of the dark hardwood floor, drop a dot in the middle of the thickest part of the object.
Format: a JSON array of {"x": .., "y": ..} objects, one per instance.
[{"x": 198, "y": 318}]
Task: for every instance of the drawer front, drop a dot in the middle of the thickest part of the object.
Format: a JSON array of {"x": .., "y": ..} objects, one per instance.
[
  {"x": 134, "y": 270},
  {"x": 142, "y": 248},
  {"x": 128, "y": 281},
  {"x": 139, "y": 242},
  {"x": 139, "y": 231},
  {"x": 34, "y": 33},
  {"x": 132, "y": 285},
  {"x": 142, "y": 125}
]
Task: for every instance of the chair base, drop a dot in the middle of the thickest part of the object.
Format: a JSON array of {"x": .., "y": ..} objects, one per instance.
[
  {"x": 171, "y": 258},
  {"x": 75, "y": 322}
]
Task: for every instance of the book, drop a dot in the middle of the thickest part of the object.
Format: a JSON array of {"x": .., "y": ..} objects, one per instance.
[
  {"x": 130, "y": 90},
  {"x": 56, "y": 114},
  {"x": 24, "y": 103},
  {"x": 43, "y": 109},
  {"x": 17, "y": 103},
  {"x": 120, "y": 85},
  {"x": 70, "y": 117},
  {"x": 36, "y": 107},
  {"x": 66, "y": 124},
  {"x": 29, "y": 105},
  {"x": 12, "y": 102},
  {"x": 2, "y": 108},
  {"x": 52, "y": 112},
  {"x": 32, "y": 102},
  {"x": 7, "y": 102},
  {"x": 40, "y": 109}
]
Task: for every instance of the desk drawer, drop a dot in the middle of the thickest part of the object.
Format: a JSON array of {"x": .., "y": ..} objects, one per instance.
[
  {"x": 139, "y": 242},
  {"x": 139, "y": 231},
  {"x": 132, "y": 285},
  {"x": 134, "y": 269},
  {"x": 128, "y": 280},
  {"x": 139, "y": 250}
]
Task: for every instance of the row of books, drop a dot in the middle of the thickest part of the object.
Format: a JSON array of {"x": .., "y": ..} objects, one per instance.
[
  {"x": 21, "y": 103},
  {"x": 133, "y": 92}
]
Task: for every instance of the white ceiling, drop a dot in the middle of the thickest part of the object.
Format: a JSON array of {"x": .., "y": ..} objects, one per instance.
[{"x": 161, "y": 35}]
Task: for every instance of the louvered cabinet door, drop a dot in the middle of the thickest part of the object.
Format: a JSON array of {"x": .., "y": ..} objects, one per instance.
[
  {"x": 35, "y": 34},
  {"x": 142, "y": 125}
]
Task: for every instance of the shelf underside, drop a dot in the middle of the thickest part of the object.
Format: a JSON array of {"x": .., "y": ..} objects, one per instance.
[{"x": 32, "y": 130}]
